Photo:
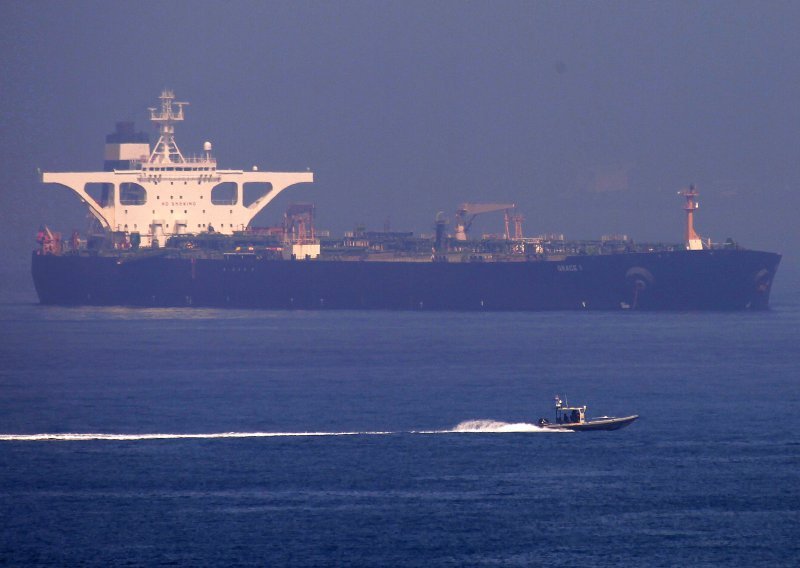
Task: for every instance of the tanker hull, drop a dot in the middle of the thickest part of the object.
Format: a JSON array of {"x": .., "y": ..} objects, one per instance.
[{"x": 672, "y": 280}]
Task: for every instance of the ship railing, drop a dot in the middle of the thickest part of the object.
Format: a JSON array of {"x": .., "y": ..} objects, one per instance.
[
  {"x": 728, "y": 244},
  {"x": 137, "y": 201},
  {"x": 202, "y": 160},
  {"x": 156, "y": 176},
  {"x": 191, "y": 164}
]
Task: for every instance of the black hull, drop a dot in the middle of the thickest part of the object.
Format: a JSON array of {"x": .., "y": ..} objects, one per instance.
[
  {"x": 679, "y": 280},
  {"x": 595, "y": 425}
]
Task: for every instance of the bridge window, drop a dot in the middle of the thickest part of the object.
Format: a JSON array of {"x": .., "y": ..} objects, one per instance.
[
  {"x": 253, "y": 191},
  {"x": 132, "y": 194},
  {"x": 224, "y": 193}
]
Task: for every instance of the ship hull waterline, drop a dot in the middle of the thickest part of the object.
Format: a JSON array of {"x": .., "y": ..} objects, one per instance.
[{"x": 675, "y": 280}]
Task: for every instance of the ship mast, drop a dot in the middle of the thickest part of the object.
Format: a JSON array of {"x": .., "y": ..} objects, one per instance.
[
  {"x": 166, "y": 151},
  {"x": 692, "y": 239}
]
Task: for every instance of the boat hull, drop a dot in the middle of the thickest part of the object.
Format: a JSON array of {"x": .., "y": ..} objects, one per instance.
[
  {"x": 599, "y": 424},
  {"x": 676, "y": 280}
]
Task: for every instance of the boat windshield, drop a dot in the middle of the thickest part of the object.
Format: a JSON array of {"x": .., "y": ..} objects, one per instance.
[{"x": 570, "y": 415}]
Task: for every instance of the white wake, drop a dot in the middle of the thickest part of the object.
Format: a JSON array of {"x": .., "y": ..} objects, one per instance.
[
  {"x": 468, "y": 426},
  {"x": 72, "y": 437},
  {"x": 497, "y": 426}
]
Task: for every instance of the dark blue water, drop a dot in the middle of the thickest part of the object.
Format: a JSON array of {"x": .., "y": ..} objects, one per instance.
[{"x": 710, "y": 475}]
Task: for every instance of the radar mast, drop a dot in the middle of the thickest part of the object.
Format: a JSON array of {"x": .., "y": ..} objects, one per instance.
[{"x": 166, "y": 151}]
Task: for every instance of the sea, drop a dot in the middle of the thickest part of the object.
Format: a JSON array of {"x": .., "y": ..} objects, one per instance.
[{"x": 194, "y": 437}]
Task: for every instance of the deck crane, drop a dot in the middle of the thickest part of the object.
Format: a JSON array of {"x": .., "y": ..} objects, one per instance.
[
  {"x": 466, "y": 213},
  {"x": 298, "y": 223}
]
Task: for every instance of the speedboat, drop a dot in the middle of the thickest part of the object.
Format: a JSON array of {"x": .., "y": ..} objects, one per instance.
[{"x": 574, "y": 418}]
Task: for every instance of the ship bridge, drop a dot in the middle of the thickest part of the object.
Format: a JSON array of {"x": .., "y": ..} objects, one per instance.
[{"x": 163, "y": 193}]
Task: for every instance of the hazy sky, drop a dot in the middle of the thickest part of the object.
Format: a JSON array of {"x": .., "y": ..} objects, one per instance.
[{"x": 589, "y": 115}]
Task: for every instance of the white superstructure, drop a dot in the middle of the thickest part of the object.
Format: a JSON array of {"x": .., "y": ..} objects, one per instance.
[{"x": 164, "y": 193}]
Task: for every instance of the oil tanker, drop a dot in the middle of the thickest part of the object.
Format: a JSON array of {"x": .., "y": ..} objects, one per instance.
[{"x": 175, "y": 230}]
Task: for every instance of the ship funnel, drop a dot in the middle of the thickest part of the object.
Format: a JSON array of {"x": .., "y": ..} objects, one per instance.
[{"x": 125, "y": 146}]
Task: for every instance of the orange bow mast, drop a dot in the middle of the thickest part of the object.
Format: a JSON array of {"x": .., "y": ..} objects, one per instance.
[{"x": 693, "y": 240}]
